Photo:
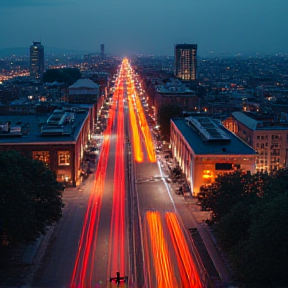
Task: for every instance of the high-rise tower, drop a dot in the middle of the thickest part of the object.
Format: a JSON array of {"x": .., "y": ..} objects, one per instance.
[
  {"x": 36, "y": 60},
  {"x": 185, "y": 61},
  {"x": 102, "y": 50}
]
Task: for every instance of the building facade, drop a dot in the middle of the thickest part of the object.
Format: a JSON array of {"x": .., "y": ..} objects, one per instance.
[
  {"x": 204, "y": 149},
  {"x": 36, "y": 60},
  {"x": 58, "y": 139},
  {"x": 267, "y": 137},
  {"x": 102, "y": 47},
  {"x": 83, "y": 91},
  {"x": 183, "y": 98},
  {"x": 86, "y": 92},
  {"x": 185, "y": 61}
]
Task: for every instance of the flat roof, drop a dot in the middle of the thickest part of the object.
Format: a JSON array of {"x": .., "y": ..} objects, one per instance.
[
  {"x": 217, "y": 147},
  {"x": 186, "y": 46},
  {"x": 31, "y": 129}
]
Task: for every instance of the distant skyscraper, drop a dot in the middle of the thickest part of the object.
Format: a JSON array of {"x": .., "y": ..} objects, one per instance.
[
  {"x": 36, "y": 60},
  {"x": 102, "y": 51},
  {"x": 185, "y": 61}
]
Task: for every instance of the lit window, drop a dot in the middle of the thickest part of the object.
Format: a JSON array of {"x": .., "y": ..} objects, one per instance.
[
  {"x": 207, "y": 176},
  {"x": 63, "y": 158},
  {"x": 43, "y": 156}
]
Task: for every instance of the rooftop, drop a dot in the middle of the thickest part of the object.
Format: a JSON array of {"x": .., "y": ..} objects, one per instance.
[
  {"x": 84, "y": 83},
  {"x": 208, "y": 136},
  {"x": 174, "y": 86},
  {"x": 186, "y": 46},
  {"x": 256, "y": 123},
  {"x": 63, "y": 125}
]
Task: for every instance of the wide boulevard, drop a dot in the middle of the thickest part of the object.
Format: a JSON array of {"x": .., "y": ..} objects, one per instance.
[{"x": 123, "y": 219}]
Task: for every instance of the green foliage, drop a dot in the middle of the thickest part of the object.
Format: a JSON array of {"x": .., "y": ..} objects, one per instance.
[
  {"x": 63, "y": 75},
  {"x": 30, "y": 197},
  {"x": 234, "y": 226},
  {"x": 250, "y": 213},
  {"x": 227, "y": 190},
  {"x": 165, "y": 113},
  {"x": 261, "y": 258}
]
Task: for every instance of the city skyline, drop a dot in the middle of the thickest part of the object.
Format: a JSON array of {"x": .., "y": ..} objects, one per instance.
[{"x": 146, "y": 27}]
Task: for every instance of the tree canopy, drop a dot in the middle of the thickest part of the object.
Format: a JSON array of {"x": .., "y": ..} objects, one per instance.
[
  {"x": 260, "y": 259},
  {"x": 165, "y": 113},
  {"x": 230, "y": 188},
  {"x": 30, "y": 198},
  {"x": 63, "y": 75},
  {"x": 249, "y": 214}
]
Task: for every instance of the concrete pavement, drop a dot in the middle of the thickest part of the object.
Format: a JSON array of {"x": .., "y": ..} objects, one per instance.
[{"x": 193, "y": 218}]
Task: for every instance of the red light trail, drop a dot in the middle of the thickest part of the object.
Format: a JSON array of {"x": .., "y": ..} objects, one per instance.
[
  {"x": 164, "y": 271},
  {"x": 84, "y": 263},
  {"x": 160, "y": 248},
  {"x": 189, "y": 274},
  {"x": 117, "y": 230},
  {"x": 141, "y": 124}
]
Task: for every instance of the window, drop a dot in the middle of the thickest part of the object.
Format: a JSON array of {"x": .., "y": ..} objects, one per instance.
[
  {"x": 63, "y": 158},
  {"x": 207, "y": 176},
  {"x": 223, "y": 166},
  {"x": 43, "y": 156}
]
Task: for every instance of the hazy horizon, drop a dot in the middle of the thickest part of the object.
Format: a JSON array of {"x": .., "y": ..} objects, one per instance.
[{"x": 146, "y": 27}]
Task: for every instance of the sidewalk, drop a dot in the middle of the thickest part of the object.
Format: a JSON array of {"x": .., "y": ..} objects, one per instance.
[
  {"x": 26, "y": 259},
  {"x": 194, "y": 221}
]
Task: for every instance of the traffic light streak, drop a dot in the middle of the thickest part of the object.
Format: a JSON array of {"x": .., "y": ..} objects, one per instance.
[
  {"x": 117, "y": 230},
  {"x": 189, "y": 274},
  {"x": 139, "y": 124},
  {"x": 82, "y": 276},
  {"x": 164, "y": 271}
]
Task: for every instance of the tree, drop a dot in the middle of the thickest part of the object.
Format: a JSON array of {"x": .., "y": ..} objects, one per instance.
[
  {"x": 64, "y": 75},
  {"x": 234, "y": 226},
  {"x": 250, "y": 216},
  {"x": 165, "y": 113},
  {"x": 231, "y": 188},
  {"x": 261, "y": 258},
  {"x": 30, "y": 197}
]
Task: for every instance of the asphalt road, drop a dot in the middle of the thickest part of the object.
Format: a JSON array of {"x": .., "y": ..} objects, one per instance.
[
  {"x": 56, "y": 267},
  {"x": 145, "y": 191}
]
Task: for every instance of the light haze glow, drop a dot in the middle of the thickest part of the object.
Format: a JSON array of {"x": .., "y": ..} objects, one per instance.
[{"x": 148, "y": 27}]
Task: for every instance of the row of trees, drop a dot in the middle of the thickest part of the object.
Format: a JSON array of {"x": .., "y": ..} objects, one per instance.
[
  {"x": 67, "y": 76},
  {"x": 30, "y": 198},
  {"x": 249, "y": 214},
  {"x": 165, "y": 113}
]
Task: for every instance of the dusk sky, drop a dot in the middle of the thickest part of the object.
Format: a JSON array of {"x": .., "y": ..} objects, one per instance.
[{"x": 150, "y": 26}]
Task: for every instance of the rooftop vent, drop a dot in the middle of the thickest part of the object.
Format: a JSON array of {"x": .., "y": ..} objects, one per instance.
[{"x": 207, "y": 129}]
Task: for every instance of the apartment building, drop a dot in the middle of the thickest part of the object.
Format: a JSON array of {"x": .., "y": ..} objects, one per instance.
[{"x": 263, "y": 133}]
